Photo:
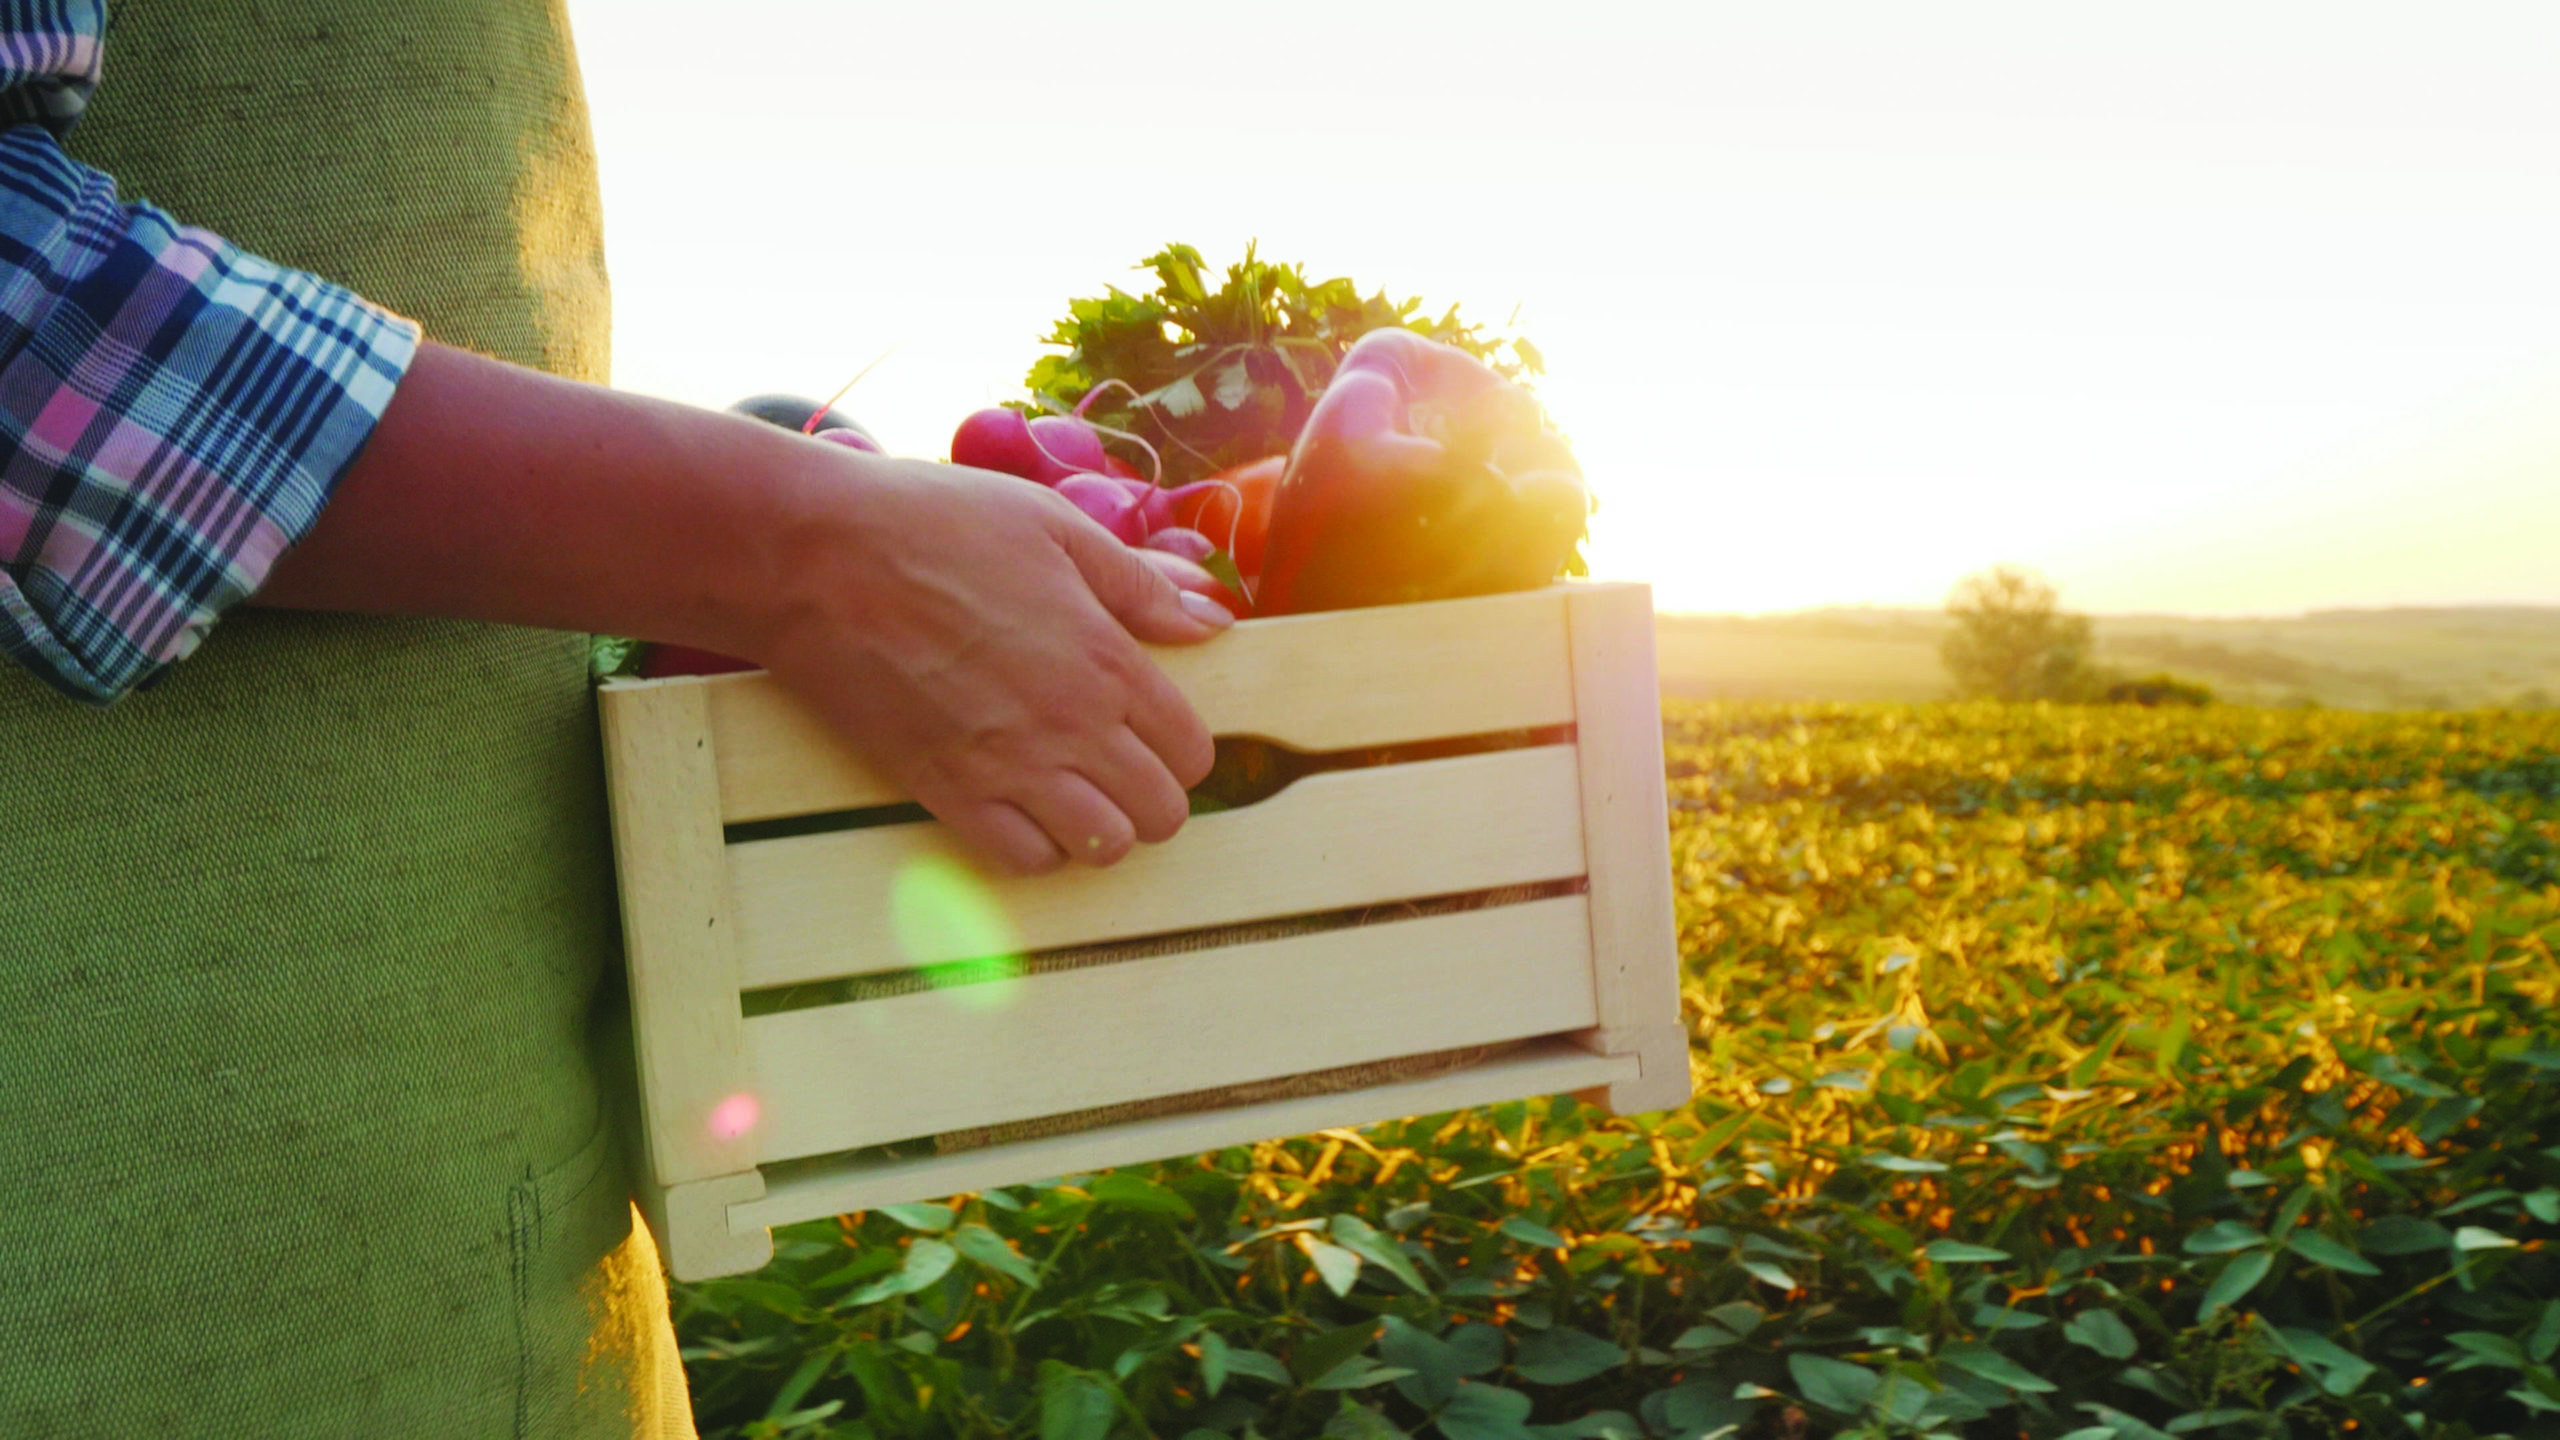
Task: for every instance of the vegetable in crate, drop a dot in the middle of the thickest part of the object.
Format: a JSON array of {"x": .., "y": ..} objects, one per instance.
[
  {"x": 1422, "y": 474},
  {"x": 1214, "y": 378}
]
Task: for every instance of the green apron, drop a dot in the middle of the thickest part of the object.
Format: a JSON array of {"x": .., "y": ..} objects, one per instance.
[{"x": 301, "y": 1095}]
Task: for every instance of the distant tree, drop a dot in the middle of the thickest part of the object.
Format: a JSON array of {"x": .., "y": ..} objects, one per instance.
[
  {"x": 2013, "y": 641},
  {"x": 2160, "y": 689}
]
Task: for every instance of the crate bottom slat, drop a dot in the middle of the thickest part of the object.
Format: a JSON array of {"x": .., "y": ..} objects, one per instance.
[{"x": 1548, "y": 1066}]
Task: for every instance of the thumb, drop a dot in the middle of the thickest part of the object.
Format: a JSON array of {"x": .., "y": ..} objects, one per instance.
[{"x": 1147, "y": 604}]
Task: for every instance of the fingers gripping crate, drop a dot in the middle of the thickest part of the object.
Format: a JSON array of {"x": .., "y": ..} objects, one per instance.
[{"x": 758, "y": 1113}]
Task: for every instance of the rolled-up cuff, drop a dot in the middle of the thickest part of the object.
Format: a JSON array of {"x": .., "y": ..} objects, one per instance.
[{"x": 174, "y": 414}]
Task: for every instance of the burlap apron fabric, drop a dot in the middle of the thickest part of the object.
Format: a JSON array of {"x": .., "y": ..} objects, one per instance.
[{"x": 300, "y": 1115}]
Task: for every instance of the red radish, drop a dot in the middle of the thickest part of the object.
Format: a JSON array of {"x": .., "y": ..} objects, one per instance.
[
  {"x": 1069, "y": 442},
  {"x": 1187, "y": 575},
  {"x": 1155, "y": 505},
  {"x": 853, "y": 440},
  {"x": 999, "y": 439},
  {"x": 1108, "y": 502},
  {"x": 1191, "y": 545}
]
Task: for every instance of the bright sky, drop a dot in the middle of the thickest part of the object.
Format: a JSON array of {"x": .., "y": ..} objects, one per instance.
[{"x": 2223, "y": 307}]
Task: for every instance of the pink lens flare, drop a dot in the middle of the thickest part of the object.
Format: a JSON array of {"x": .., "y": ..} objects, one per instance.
[{"x": 735, "y": 1116}]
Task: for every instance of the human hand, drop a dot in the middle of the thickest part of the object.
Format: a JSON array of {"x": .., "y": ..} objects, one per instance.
[
  {"x": 974, "y": 635},
  {"x": 977, "y": 637}
]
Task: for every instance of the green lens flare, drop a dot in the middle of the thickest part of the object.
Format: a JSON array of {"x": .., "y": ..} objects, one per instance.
[{"x": 950, "y": 926}]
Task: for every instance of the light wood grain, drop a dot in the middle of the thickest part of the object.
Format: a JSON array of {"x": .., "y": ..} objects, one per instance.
[
  {"x": 1543, "y": 1068},
  {"x": 842, "y": 1076},
  {"x": 816, "y": 907},
  {"x": 695, "y": 1231},
  {"x": 1662, "y": 1080},
  {"x": 679, "y": 938},
  {"x": 1625, "y": 821},
  {"x": 1386, "y": 676}
]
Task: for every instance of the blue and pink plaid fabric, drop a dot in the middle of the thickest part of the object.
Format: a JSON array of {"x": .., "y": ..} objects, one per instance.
[{"x": 174, "y": 412}]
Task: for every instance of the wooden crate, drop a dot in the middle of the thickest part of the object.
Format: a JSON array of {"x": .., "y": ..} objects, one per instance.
[{"x": 755, "y": 1116}]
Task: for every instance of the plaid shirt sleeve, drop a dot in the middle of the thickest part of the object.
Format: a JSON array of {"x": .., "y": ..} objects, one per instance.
[{"x": 174, "y": 412}]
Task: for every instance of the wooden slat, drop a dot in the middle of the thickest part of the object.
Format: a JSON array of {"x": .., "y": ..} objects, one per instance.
[
  {"x": 691, "y": 1225},
  {"x": 816, "y": 907},
  {"x": 842, "y": 1076},
  {"x": 1545, "y": 1068},
  {"x": 1626, "y": 833},
  {"x": 1386, "y": 676},
  {"x": 678, "y": 934}
]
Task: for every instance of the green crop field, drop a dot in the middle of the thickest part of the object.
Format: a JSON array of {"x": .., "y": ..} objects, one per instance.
[
  {"x": 2415, "y": 659},
  {"x": 2077, "y": 1074}
]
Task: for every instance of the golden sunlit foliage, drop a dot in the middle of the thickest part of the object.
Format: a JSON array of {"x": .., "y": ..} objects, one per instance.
[{"x": 2075, "y": 1074}]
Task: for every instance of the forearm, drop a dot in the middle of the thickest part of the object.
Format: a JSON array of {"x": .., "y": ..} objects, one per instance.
[
  {"x": 491, "y": 492},
  {"x": 973, "y": 634}
]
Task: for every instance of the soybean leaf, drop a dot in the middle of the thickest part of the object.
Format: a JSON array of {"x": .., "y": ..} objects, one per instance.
[
  {"x": 810, "y": 1372},
  {"x": 1768, "y": 1274},
  {"x": 1739, "y": 1316},
  {"x": 926, "y": 1262},
  {"x": 1702, "y": 1406},
  {"x": 2543, "y": 1205},
  {"x": 1905, "y": 1165},
  {"x": 1599, "y": 1425},
  {"x": 2123, "y": 1426},
  {"x": 2222, "y": 1237},
  {"x": 1241, "y": 1361},
  {"x": 995, "y": 1252},
  {"x": 1957, "y": 1252},
  {"x": 2001, "y": 1317},
  {"x": 2238, "y": 1278},
  {"x": 2103, "y": 1331},
  {"x": 1530, "y": 1232},
  {"x": 2403, "y": 1235},
  {"x": 1478, "y": 1348},
  {"x": 1995, "y": 1367},
  {"x": 2475, "y": 1237},
  {"x": 2319, "y": 1249},
  {"x": 1074, "y": 1405},
  {"x": 1835, "y": 1385},
  {"x": 1316, "y": 1356},
  {"x": 1563, "y": 1357},
  {"x": 1357, "y": 1373},
  {"x": 1357, "y": 1236},
  {"x": 1484, "y": 1412},
  {"x": 1764, "y": 1245},
  {"x": 2338, "y": 1370},
  {"x": 1705, "y": 1337},
  {"x": 2484, "y": 1347},
  {"x": 1339, "y": 1268},
  {"x": 2195, "y": 1420},
  {"x": 1954, "y": 1403},
  {"x": 1351, "y": 1422},
  {"x": 1213, "y": 1362},
  {"x": 2546, "y": 1334},
  {"x": 1436, "y": 1367},
  {"x": 1133, "y": 1191},
  {"x": 931, "y": 1219}
]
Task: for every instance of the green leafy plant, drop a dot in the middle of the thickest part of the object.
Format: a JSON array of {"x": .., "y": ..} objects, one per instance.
[
  {"x": 1215, "y": 377},
  {"x": 2080, "y": 1074}
]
